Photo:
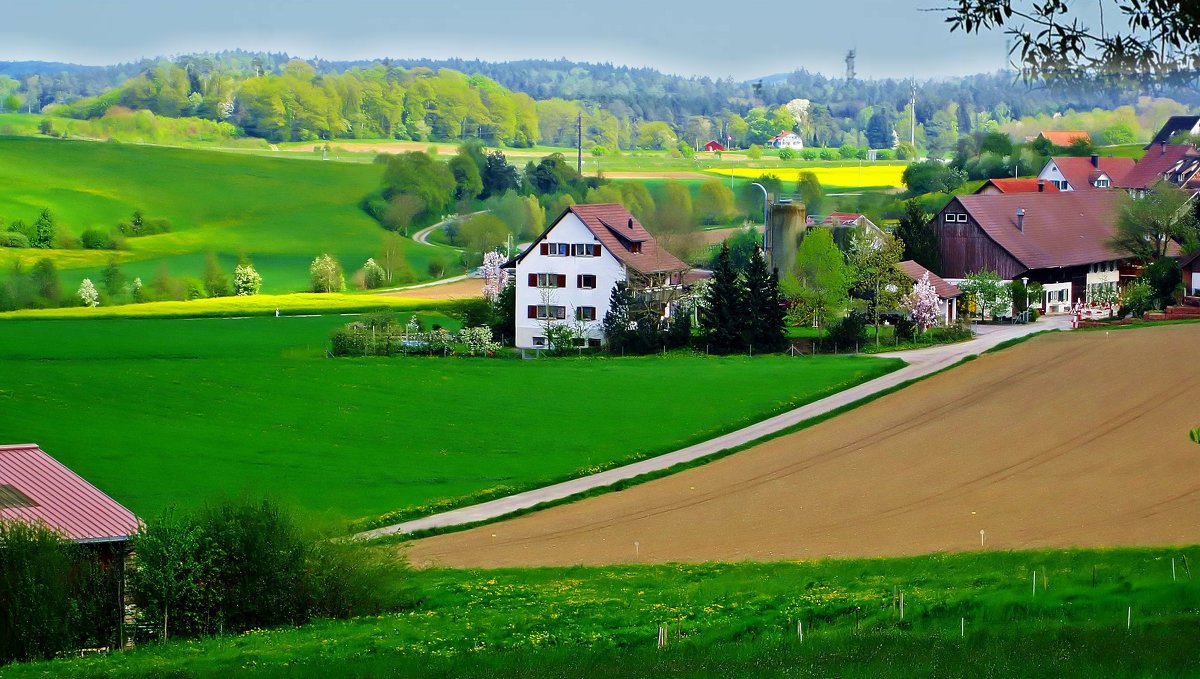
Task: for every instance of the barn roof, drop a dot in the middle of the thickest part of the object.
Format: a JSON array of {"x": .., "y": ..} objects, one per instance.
[
  {"x": 1018, "y": 185},
  {"x": 1065, "y": 137},
  {"x": 1059, "y": 229},
  {"x": 916, "y": 272},
  {"x": 1155, "y": 164},
  {"x": 617, "y": 230},
  {"x": 1081, "y": 171},
  {"x": 35, "y": 487}
]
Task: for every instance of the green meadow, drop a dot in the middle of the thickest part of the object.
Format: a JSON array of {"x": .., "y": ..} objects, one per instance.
[
  {"x": 281, "y": 212},
  {"x": 1126, "y": 612},
  {"x": 175, "y": 411}
]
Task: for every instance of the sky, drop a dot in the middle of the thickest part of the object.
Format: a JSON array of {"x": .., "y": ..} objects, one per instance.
[{"x": 745, "y": 40}]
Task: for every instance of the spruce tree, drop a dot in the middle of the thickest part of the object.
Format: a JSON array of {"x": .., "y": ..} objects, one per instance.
[
  {"x": 616, "y": 321},
  {"x": 764, "y": 315},
  {"x": 723, "y": 315}
]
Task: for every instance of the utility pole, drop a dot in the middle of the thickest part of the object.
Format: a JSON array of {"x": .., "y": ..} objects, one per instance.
[{"x": 579, "y": 144}]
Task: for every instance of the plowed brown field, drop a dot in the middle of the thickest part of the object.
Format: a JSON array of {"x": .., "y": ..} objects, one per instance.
[{"x": 1070, "y": 439}]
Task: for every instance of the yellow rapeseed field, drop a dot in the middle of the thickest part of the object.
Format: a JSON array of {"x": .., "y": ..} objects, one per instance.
[
  {"x": 256, "y": 305},
  {"x": 872, "y": 175}
]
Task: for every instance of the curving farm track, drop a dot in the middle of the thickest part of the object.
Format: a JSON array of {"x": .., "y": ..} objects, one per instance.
[{"x": 1071, "y": 439}]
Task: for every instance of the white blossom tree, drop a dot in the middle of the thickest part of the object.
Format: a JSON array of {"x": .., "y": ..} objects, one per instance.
[
  {"x": 923, "y": 303},
  {"x": 246, "y": 280},
  {"x": 326, "y": 274},
  {"x": 88, "y": 294},
  {"x": 493, "y": 275}
]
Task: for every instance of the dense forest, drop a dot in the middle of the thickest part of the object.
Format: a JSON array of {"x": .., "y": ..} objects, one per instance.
[{"x": 522, "y": 103}]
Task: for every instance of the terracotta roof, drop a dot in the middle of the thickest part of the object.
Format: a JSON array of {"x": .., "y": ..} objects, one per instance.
[
  {"x": 617, "y": 230},
  {"x": 1188, "y": 259},
  {"x": 1018, "y": 185},
  {"x": 1080, "y": 172},
  {"x": 1059, "y": 229},
  {"x": 916, "y": 272},
  {"x": 783, "y": 134},
  {"x": 1065, "y": 137},
  {"x": 1173, "y": 126},
  {"x": 1155, "y": 164},
  {"x": 36, "y": 487}
]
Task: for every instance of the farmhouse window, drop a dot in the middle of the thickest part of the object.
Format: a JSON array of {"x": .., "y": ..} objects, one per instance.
[
  {"x": 548, "y": 311},
  {"x": 539, "y": 341},
  {"x": 549, "y": 280},
  {"x": 585, "y": 249},
  {"x": 635, "y": 248},
  {"x": 593, "y": 341},
  {"x": 556, "y": 249},
  {"x": 585, "y": 281},
  {"x": 585, "y": 313}
]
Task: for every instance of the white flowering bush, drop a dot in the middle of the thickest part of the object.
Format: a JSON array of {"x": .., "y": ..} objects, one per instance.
[
  {"x": 325, "y": 273},
  {"x": 88, "y": 294},
  {"x": 493, "y": 275},
  {"x": 246, "y": 280},
  {"x": 440, "y": 340},
  {"x": 478, "y": 341},
  {"x": 373, "y": 275},
  {"x": 923, "y": 303}
]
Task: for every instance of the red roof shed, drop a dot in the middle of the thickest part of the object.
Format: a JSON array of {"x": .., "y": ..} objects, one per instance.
[
  {"x": 714, "y": 146},
  {"x": 35, "y": 487}
]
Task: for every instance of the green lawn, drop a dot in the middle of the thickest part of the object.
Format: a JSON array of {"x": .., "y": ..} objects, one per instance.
[
  {"x": 176, "y": 411},
  {"x": 282, "y": 212},
  {"x": 966, "y": 615}
]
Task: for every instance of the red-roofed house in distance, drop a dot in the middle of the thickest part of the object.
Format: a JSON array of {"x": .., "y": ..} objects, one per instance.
[
  {"x": 567, "y": 274},
  {"x": 1065, "y": 138},
  {"x": 714, "y": 146},
  {"x": 1057, "y": 239},
  {"x": 947, "y": 292},
  {"x": 1082, "y": 173},
  {"x": 1016, "y": 185},
  {"x": 786, "y": 140},
  {"x": 1178, "y": 164}
]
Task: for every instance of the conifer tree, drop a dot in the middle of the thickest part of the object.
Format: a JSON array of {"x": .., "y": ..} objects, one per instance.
[
  {"x": 722, "y": 318},
  {"x": 616, "y": 321},
  {"x": 764, "y": 314}
]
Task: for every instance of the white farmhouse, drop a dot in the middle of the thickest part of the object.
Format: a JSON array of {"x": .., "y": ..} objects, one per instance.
[
  {"x": 786, "y": 140},
  {"x": 568, "y": 273}
]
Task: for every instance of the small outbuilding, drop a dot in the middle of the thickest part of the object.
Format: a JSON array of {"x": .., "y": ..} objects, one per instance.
[
  {"x": 947, "y": 292},
  {"x": 714, "y": 146}
]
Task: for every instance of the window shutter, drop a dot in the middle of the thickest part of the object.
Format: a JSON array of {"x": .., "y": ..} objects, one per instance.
[
  {"x": 545, "y": 249},
  {"x": 533, "y": 280},
  {"x": 562, "y": 280},
  {"x": 533, "y": 311},
  {"x": 595, "y": 249},
  {"x": 579, "y": 281}
]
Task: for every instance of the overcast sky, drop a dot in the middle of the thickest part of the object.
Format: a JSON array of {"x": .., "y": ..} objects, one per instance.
[{"x": 700, "y": 37}]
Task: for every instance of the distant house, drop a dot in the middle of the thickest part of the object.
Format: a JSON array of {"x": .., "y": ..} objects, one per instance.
[
  {"x": 714, "y": 146},
  {"x": 568, "y": 273},
  {"x": 946, "y": 292},
  {"x": 992, "y": 186},
  {"x": 1178, "y": 164},
  {"x": 1191, "y": 273},
  {"x": 1071, "y": 173},
  {"x": 1175, "y": 125},
  {"x": 35, "y": 487},
  {"x": 786, "y": 140},
  {"x": 1057, "y": 239},
  {"x": 1065, "y": 137}
]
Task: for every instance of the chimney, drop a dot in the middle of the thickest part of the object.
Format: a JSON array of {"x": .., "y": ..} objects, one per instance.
[
  {"x": 1021, "y": 219},
  {"x": 631, "y": 223},
  {"x": 1096, "y": 161},
  {"x": 1041, "y": 186},
  {"x": 1162, "y": 147}
]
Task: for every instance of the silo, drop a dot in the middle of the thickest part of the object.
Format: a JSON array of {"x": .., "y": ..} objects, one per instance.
[{"x": 787, "y": 224}]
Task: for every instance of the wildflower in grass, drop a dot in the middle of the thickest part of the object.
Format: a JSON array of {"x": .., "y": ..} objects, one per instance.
[{"x": 88, "y": 294}]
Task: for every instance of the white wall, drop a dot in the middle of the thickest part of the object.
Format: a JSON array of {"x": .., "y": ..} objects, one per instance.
[
  {"x": 607, "y": 269},
  {"x": 1052, "y": 173}
]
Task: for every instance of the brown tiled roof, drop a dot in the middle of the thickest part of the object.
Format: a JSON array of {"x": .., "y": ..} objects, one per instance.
[
  {"x": 1065, "y": 137},
  {"x": 1080, "y": 172},
  {"x": 1060, "y": 229},
  {"x": 35, "y": 487},
  {"x": 1018, "y": 185},
  {"x": 617, "y": 230},
  {"x": 1187, "y": 260},
  {"x": 916, "y": 272},
  {"x": 1154, "y": 165}
]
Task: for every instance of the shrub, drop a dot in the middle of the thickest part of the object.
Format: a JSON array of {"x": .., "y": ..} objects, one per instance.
[
  {"x": 373, "y": 275},
  {"x": 847, "y": 332},
  {"x": 325, "y": 275},
  {"x": 12, "y": 239},
  {"x": 88, "y": 294},
  {"x": 787, "y": 154},
  {"x": 829, "y": 154},
  {"x": 246, "y": 280},
  {"x": 885, "y": 154},
  {"x": 96, "y": 239},
  {"x": 809, "y": 154},
  {"x": 1137, "y": 298},
  {"x": 478, "y": 341},
  {"x": 906, "y": 328}
]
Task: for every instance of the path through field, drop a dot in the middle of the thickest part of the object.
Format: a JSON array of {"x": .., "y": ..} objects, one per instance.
[{"x": 1070, "y": 439}]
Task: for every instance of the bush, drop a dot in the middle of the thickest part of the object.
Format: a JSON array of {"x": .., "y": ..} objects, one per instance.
[
  {"x": 138, "y": 225},
  {"x": 906, "y": 328},
  {"x": 12, "y": 239},
  {"x": 246, "y": 280},
  {"x": 847, "y": 333},
  {"x": 809, "y": 154},
  {"x": 373, "y": 275},
  {"x": 787, "y": 154},
  {"x": 96, "y": 239},
  {"x": 829, "y": 154},
  {"x": 325, "y": 275},
  {"x": 1137, "y": 298},
  {"x": 885, "y": 154}
]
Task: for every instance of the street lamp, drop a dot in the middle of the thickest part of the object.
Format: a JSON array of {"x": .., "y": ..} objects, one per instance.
[{"x": 766, "y": 230}]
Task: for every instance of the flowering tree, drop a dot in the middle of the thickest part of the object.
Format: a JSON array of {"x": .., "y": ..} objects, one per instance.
[
  {"x": 326, "y": 274},
  {"x": 923, "y": 303},
  {"x": 88, "y": 294},
  {"x": 479, "y": 341},
  {"x": 246, "y": 280},
  {"x": 493, "y": 275},
  {"x": 373, "y": 274}
]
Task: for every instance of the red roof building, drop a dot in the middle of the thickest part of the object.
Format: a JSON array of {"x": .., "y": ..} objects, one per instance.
[
  {"x": 1176, "y": 163},
  {"x": 946, "y": 292},
  {"x": 35, "y": 487},
  {"x": 1065, "y": 137},
  {"x": 714, "y": 146},
  {"x": 1079, "y": 173},
  {"x": 1031, "y": 185}
]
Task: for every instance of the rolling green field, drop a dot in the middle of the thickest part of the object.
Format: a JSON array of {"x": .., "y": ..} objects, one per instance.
[
  {"x": 972, "y": 614},
  {"x": 157, "y": 412},
  {"x": 280, "y": 212}
]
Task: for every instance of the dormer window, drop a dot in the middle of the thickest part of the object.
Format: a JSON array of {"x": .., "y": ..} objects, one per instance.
[
  {"x": 635, "y": 248},
  {"x": 1102, "y": 183}
]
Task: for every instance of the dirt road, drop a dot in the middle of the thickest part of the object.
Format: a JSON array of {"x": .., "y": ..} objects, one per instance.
[{"x": 1071, "y": 439}]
